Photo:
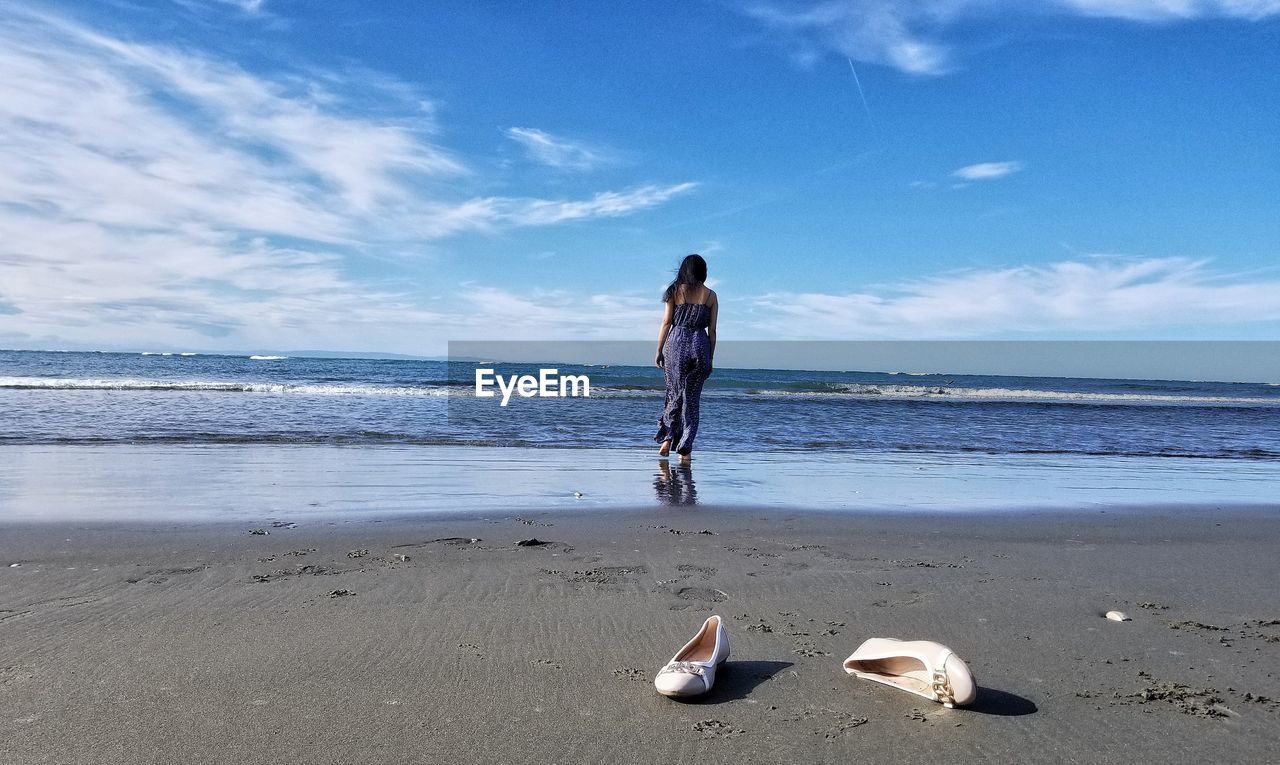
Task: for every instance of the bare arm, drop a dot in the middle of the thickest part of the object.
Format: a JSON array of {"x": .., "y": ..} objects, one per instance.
[
  {"x": 711, "y": 327},
  {"x": 667, "y": 311}
]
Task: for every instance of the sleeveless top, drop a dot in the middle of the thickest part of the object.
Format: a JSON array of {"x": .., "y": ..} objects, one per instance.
[{"x": 691, "y": 316}]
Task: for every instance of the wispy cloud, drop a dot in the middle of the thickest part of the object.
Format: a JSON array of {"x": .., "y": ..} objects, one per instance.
[
  {"x": 986, "y": 171},
  {"x": 246, "y": 7},
  {"x": 606, "y": 204},
  {"x": 875, "y": 31},
  {"x": 488, "y": 213},
  {"x": 496, "y": 312},
  {"x": 1076, "y": 297},
  {"x": 1101, "y": 294},
  {"x": 556, "y": 151},
  {"x": 1175, "y": 10},
  {"x": 913, "y": 35},
  {"x": 155, "y": 195}
]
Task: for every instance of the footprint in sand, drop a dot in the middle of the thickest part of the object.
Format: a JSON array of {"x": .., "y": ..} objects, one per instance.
[
  {"x": 687, "y": 568},
  {"x": 750, "y": 552},
  {"x": 1196, "y": 702},
  {"x": 702, "y": 594},
  {"x": 835, "y": 723},
  {"x": 605, "y": 575},
  {"x": 926, "y": 564},
  {"x": 717, "y": 729},
  {"x": 161, "y": 575},
  {"x": 297, "y": 571},
  {"x": 884, "y": 603},
  {"x": 450, "y": 541},
  {"x": 808, "y": 650},
  {"x": 631, "y": 673}
]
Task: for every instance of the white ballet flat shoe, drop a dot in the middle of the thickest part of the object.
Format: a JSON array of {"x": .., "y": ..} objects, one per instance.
[
  {"x": 692, "y": 671},
  {"x": 921, "y": 667}
]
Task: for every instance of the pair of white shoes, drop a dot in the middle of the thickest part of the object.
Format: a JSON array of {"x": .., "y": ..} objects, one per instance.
[{"x": 922, "y": 667}]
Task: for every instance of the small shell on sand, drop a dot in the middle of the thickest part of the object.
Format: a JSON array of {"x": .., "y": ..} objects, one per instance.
[{"x": 1118, "y": 616}]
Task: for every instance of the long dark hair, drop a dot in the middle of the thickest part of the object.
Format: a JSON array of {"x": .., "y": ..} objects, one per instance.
[{"x": 692, "y": 273}]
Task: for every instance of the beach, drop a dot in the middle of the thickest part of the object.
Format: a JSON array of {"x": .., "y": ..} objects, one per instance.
[
  {"x": 216, "y": 558},
  {"x": 443, "y": 382},
  {"x": 264, "y": 632}
]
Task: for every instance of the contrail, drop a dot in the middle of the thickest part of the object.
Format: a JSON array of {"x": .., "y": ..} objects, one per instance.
[{"x": 862, "y": 95}]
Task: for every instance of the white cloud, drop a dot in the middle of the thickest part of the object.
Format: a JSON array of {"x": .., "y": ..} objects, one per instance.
[
  {"x": 911, "y": 35},
  {"x": 289, "y": 298},
  {"x": 874, "y": 31},
  {"x": 250, "y": 7},
  {"x": 986, "y": 171},
  {"x": 555, "y": 151},
  {"x": 556, "y": 315},
  {"x": 1078, "y": 297},
  {"x": 150, "y": 195},
  {"x": 1103, "y": 294},
  {"x": 606, "y": 204},
  {"x": 1173, "y": 10},
  {"x": 488, "y": 213},
  {"x": 195, "y": 287}
]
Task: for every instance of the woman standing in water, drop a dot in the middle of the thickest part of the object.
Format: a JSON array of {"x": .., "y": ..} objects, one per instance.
[{"x": 686, "y": 345}]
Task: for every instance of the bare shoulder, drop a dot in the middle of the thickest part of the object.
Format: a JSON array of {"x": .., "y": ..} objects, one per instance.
[{"x": 712, "y": 297}]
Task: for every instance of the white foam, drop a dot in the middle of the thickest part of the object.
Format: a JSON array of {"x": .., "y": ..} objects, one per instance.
[
  {"x": 881, "y": 391},
  {"x": 215, "y": 386},
  {"x": 268, "y": 358},
  {"x": 943, "y": 393}
]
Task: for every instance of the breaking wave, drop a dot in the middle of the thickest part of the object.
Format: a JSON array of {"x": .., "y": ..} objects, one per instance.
[{"x": 214, "y": 386}]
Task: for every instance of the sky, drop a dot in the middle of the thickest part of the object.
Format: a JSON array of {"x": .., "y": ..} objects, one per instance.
[{"x": 281, "y": 174}]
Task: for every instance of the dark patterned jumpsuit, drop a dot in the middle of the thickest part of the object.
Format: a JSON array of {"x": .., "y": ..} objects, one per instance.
[{"x": 686, "y": 360}]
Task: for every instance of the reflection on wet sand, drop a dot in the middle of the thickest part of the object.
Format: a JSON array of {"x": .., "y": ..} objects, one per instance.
[{"x": 675, "y": 487}]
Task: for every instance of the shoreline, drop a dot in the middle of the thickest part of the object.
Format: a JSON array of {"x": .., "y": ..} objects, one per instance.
[
  {"x": 244, "y": 483},
  {"x": 202, "y": 642}
]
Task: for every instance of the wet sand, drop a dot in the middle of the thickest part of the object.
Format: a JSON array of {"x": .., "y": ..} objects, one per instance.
[
  {"x": 242, "y": 482},
  {"x": 185, "y": 642}
]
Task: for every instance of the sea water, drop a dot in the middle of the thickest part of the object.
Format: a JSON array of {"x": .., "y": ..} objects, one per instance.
[{"x": 134, "y": 398}]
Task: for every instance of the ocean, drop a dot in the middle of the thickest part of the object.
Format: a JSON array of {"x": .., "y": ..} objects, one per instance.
[{"x": 49, "y": 398}]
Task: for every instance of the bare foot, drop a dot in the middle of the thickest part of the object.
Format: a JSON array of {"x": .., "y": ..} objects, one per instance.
[
  {"x": 685, "y": 459},
  {"x": 665, "y": 449}
]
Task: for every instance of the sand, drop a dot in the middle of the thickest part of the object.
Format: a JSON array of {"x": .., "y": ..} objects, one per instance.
[{"x": 316, "y": 643}]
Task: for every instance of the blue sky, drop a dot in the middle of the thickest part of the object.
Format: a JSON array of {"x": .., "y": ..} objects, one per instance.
[{"x": 218, "y": 174}]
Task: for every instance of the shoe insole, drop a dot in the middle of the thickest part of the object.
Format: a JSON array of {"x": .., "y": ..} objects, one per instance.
[
  {"x": 898, "y": 670},
  {"x": 705, "y": 647}
]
